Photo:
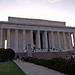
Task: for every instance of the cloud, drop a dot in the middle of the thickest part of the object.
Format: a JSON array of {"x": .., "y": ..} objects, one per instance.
[
  {"x": 50, "y": 0},
  {"x": 42, "y": 0},
  {"x": 53, "y": 0},
  {"x": 27, "y": 1}
]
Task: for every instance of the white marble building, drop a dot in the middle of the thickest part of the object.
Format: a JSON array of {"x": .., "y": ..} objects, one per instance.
[{"x": 41, "y": 35}]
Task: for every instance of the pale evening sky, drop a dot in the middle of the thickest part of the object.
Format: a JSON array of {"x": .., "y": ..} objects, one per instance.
[{"x": 56, "y": 10}]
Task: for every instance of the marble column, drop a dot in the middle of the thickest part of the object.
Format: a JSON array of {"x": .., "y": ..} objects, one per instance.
[
  {"x": 38, "y": 39},
  {"x": 74, "y": 38},
  {"x": 24, "y": 39},
  {"x": 64, "y": 39},
  {"x": 58, "y": 39},
  {"x": 52, "y": 37},
  {"x": 49, "y": 40},
  {"x": 69, "y": 37},
  {"x": 31, "y": 38},
  {"x": 1, "y": 38},
  {"x": 16, "y": 39},
  {"x": 46, "y": 40},
  {"x": 8, "y": 38}
]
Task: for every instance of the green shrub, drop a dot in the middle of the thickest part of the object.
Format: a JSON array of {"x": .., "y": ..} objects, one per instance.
[
  {"x": 6, "y": 54},
  {"x": 59, "y": 64},
  {"x": 10, "y": 53},
  {"x": 3, "y": 55}
]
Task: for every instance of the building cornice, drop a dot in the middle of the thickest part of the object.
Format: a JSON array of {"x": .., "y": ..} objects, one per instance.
[{"x": 11, "y": 23}]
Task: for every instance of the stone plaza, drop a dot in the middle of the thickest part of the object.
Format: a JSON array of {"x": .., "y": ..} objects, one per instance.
[{"x": 36, "y": 35}]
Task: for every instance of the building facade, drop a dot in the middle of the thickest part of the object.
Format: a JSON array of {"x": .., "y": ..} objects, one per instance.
[{"x": 36, "y": 35}]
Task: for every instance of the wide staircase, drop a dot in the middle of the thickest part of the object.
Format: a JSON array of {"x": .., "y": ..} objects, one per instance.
[{"x": 49, "y": 55}]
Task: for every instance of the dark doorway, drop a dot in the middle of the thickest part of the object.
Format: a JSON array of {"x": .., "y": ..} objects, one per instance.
[
  {"x": 34, "y": 40},
  {"x": 41, "y": 40},
  {"x": 48, "y": 39}
]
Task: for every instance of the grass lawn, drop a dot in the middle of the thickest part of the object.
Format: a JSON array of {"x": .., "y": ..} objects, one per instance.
[{"x": 10, "y": 68}]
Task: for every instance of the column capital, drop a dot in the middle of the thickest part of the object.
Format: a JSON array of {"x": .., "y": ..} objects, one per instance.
[
  {"x": 24, "y": 29},
  {"x": 8, "y": 28},
  {"x": 38, "y": 30},
  {"x": 16, "y": 29},
  {"x": 31, "y": 31},
  {"x": 45, "y": 31}
]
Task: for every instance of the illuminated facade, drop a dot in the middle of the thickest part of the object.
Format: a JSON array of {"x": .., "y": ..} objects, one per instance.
[{"x": 36, "y": 35}]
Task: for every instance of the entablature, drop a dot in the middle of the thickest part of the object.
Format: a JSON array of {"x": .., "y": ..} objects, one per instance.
[{"x": 41, "y": 28}]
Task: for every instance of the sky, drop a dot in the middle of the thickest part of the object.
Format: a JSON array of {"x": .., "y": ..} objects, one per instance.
[{"x": 54, "y": 10}]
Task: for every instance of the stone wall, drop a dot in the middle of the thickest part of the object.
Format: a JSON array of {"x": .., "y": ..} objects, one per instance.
[
  {"x": 49, "y": 55},
  {"x": 35, "y": 21}
]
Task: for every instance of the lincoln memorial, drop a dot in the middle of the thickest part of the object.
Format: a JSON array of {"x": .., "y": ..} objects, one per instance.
[{"x": 36, "y": 35}]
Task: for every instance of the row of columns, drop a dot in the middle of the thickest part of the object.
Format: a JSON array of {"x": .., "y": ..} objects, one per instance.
[{"x": 38, "y": 36}]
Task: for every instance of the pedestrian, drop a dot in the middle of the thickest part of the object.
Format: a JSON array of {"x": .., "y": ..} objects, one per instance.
[
  {"x": 72, "y": 56},
  {"x": 25, "y": 58},
  {"x": 17, "y": 57},
  {"x": 66, "y": 56}
]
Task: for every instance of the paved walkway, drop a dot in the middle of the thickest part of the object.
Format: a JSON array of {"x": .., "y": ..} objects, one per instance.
[{"x": 32, "y": 69}]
